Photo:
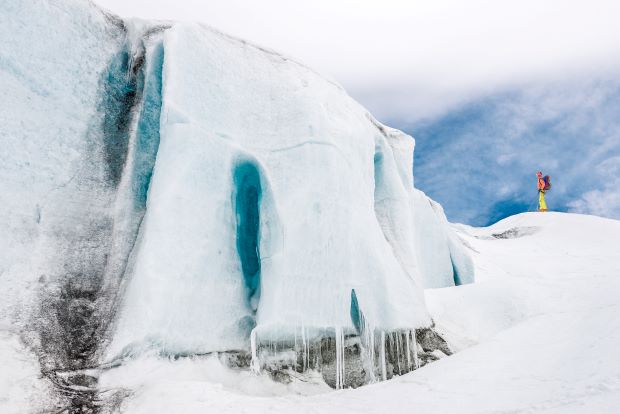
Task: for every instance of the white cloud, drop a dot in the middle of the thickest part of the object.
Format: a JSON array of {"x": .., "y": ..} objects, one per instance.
[
  {"x": 570, "y": 131},
  {"x": 411, "y": 59},
  {"x": 604, "y": 203}
]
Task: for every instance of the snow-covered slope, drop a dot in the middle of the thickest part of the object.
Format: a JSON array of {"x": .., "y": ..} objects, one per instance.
[
  {"x": 539, "y": 332},
  {"x": 169, "y": 189}
]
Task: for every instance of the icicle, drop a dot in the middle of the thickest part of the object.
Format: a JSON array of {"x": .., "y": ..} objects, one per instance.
[
  {"x": 339, "y": 358},
  {"x": 373, "y": 356},
  {"x": 308, "y": 350},
  {"x": 304, "y": 352},
  {"x": 255, "y": 364},
  {"x": 408, "y": 352},
  {"x": 342, "y": 356},
  {"x": 398, "y": 348},
  {"x": 415, "y": 352},
  {"x": 337, "y": 361},
  {"x": 370, "y": 339},
  {"x": 308, "y": 353},
  {"x": 295, "y": 348},
  {"x": 382, "y": 356}
]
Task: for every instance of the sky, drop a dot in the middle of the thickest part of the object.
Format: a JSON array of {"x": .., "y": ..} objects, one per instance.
[
  {"x": 480, "y": 160},
  {"x": 492, "y": 90}
]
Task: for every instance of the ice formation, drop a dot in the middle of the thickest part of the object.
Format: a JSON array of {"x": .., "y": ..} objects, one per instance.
[
  {"x": 444, "y": 259},
  {"x": 169, "y": 188}
]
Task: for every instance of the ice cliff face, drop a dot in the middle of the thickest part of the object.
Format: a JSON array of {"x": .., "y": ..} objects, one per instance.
[{"x": 168, "y": 188}]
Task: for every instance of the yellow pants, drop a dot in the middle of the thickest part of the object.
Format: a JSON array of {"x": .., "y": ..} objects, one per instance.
[{"x": 542, "y": 204}]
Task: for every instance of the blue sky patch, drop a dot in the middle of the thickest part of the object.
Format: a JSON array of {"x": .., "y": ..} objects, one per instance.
[{"x": 480, "y": 161}]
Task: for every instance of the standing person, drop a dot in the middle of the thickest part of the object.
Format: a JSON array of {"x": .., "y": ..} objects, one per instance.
[{"x": 542, "y": 187}]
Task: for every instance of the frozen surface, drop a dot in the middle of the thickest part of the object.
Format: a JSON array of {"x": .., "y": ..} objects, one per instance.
[
  {"x": 57, "y": 179},
  {"x": 72, "y": 169},
  {"x": 50, "y": 163},
  {"x": 332, "y": 207},
  {"x": 169, "y": 191},
  {"x": 444, "y": 258}
]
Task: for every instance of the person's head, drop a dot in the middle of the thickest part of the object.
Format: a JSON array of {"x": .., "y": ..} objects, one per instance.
[{"x": 539, "y": 174}]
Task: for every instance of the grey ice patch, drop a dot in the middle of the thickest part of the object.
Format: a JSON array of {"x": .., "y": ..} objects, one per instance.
[
  {"x": 516, "y": 232},
  {"x": 79, "y": 302}
]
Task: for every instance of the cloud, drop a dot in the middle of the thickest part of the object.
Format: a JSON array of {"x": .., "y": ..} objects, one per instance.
[
  {"x": 606, "y": 201},
  {"x": 479, "y": 161},
  {"x": 411, "y": 60}
]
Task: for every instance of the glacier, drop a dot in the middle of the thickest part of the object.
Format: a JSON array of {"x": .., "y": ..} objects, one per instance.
[{"x": 168, "y": 188}]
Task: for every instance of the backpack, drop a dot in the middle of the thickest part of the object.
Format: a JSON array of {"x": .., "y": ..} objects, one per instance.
[{"x": 547, "y": 180}]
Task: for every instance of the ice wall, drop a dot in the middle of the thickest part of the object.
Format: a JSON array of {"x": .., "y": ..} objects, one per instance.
[
  {"x": 79, "y": 128},
  {"x": 167, "y": 187},
  {"x": 444, "y": 259},
  {"x": 333, "y": 212},
  {"x": 63, "y": 134}
]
